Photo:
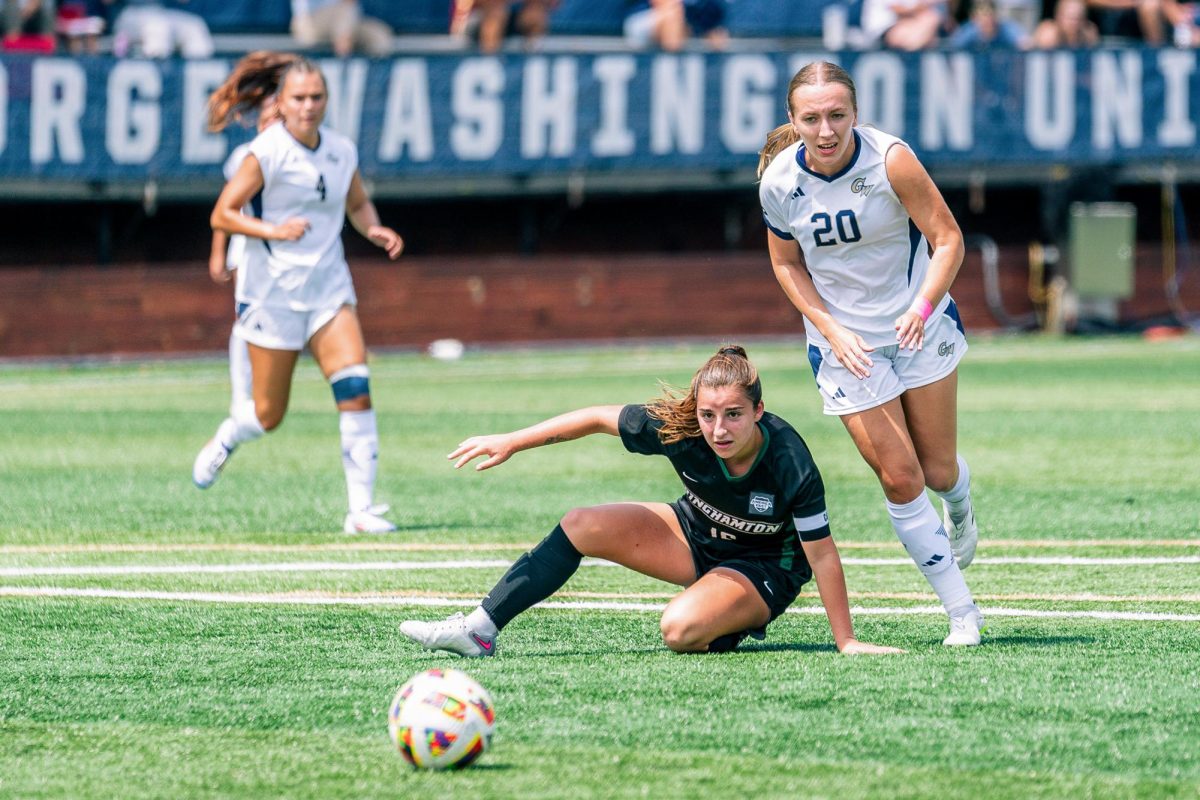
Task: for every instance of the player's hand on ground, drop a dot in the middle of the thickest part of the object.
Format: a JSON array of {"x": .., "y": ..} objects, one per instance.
[
  {"x": 498, "y": 449},
  {"x": 386, "y": 238},
  {"x": 851, "y": 351},
  {"x": 856, "y": 648},
  {"x": 291, "y": 230},
  {"x": 218, "y": 272},
  {"x": 910, "y": 331}
]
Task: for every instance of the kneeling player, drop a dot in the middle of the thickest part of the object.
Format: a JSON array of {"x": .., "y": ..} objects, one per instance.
[{"x": 749, "y": 531}]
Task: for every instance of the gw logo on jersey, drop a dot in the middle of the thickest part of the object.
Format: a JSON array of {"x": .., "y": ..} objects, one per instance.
[
  {"x": 860, "y": 186},
  {"x": 945, "y": 349},
  {"x": 761, "y": 503}
]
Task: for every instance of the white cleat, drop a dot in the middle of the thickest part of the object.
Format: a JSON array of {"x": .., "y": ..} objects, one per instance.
[
  {"x": 369, "y": 520},
  {"x": 450, "y": 634},
  {"x": 964, "y": 538},
  {"x": 208, "y": 463},
  {"x": 965, "y": 631}
]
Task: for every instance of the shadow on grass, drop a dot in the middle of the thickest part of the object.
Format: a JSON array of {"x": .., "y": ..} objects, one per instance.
[{"x": 1038, "y": 641}]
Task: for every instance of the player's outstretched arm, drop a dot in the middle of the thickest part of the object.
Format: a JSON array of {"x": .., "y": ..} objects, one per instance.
[
  {"x": 831, "y": 584},
  {"x": 499, "y": 447},
  {"x": 365, "y": 219}
]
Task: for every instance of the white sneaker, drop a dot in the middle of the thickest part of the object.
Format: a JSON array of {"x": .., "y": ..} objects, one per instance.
[
  {"x": 369, "y": 520},
  {"x": 963, "y": 538},
  {"x": 965, "y": 631},
  {"x": 208, "y": 463},
  {"x": 450, "y": 634}
]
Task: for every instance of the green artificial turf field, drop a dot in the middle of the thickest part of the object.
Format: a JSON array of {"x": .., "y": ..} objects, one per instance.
[{"x": 159, "y": 641}]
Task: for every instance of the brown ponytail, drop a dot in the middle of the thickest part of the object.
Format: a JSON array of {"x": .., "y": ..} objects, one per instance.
[
  {"x": 813, "y": 74},
  {"x": 255, "y": 78},
  {"x": 729, "y": 367}
]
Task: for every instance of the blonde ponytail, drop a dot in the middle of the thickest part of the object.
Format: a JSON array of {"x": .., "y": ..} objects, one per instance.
[{"x": 779, "y": 139}]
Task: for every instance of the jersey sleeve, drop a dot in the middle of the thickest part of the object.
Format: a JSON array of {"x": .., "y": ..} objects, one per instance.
[
  {"x": 808, "y": 510},
  {"x": 773, "y": 215},
  {"x": 263, "y": 150},
  {"x": 639, "y": 431}
]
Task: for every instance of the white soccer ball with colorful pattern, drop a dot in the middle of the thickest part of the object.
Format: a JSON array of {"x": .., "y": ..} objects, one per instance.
[{"x": 441, "y": 719}]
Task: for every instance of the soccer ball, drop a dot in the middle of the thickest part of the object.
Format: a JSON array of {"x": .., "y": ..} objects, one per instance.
[{"x": 441, "y": 719}]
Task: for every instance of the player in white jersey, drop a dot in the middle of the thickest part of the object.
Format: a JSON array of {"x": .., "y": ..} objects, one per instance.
[
  {"x": 226, "y": 255},
  {"x": 302, "y": 182},
  {"x": 864, "y": 246}
]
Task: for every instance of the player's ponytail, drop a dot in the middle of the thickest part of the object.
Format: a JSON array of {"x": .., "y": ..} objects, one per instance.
[
  {"x": 729, "y": 367},
  {"x": 254, "y": 79},
  {"x": 779, "y": 139}
]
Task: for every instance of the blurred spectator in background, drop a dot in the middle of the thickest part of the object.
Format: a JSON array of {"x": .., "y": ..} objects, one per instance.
[
  {"x": 150, "y": 28},
  {"x": 903, "y": 24},
  {"x": 668, "y": 24},
  {"x": 490, "y": 21},
  {"x": 80, "y": 23},
  {"x": 1184, "y": 19},
  {"x": 341, "y": 25},
  {"x": 1025, "y": 13},
  {"x": 1130, "y": 19},
  {"x": 29, "y": 25},
  {"x": 1069, "y": 27},
  {"x": 985, "y": 29}
]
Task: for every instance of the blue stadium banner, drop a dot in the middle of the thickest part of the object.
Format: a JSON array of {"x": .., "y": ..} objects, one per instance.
[{"x": 101, "y": 119}]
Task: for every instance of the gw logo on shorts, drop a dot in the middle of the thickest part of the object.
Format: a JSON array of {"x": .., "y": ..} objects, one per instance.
[
  {"x": 762, "y": 503},
  {"x": 945, "y": 349}
]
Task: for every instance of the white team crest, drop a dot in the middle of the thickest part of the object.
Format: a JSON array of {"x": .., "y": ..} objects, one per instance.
[{"x": 762, "y": 503}]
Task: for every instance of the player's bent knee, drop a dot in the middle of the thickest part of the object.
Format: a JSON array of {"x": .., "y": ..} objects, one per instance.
[
  {"x": 581, "y": 525},
  {"x": 681, "y": 634},
  {"x": 902, "y": 484},
  {"x": 351, "y": 387},
  {"x": 270, "y": 415}
]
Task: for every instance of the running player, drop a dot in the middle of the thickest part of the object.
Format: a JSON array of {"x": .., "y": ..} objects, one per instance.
[
  {"x": 225, "y": 257},
  {"x": 749, "y": 531},
  {"x": 303, "y": 181},
  {"x": 864, "y": 246}
]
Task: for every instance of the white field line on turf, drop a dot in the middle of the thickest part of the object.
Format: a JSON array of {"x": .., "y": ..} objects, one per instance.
[
  {"x": 440, "y": 547},
  {"x": 408, "y": 566},
  {"x": 585, "y": 605}
]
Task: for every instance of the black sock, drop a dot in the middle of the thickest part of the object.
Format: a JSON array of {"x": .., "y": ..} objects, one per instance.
[
  {"x": 535, "y": 576},
  {"x": 726, "y": 643}
]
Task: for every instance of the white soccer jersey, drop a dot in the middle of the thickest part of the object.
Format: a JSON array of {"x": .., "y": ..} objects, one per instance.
[
  {"x": 235, "y": 253},
  {"x": 866, "y": 257},
  {"x": 311, "y": 272}
]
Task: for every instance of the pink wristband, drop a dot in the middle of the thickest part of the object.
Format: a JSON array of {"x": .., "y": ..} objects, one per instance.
[{"x": 922, "y": 307}]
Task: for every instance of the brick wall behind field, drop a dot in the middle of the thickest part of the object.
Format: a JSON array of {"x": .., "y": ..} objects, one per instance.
[{"x": 176, "y": 308}]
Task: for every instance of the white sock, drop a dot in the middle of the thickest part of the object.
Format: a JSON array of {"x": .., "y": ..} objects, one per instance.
[
  {"x": 239, "y": 371},
  {"x": 360, "y": 456},
  {"x": 920, "y": 531},
  {"x": 958, "y": 499},
  {"x": 242, "y": 426},
  {"x": 479, "y": 621}
]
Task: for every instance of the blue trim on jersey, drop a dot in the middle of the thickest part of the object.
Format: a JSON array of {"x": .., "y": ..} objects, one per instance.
[
  {"x": 777, "y": 232},
  {"x": 815, "y": 358},
  {"x": 914, "y": 241},
  {"x": 350, "y": 388},
  {"x": 240, "y": 308},
  {"x": 952, "y": 312},
  {"x": 256, "y": 204},
  {"x": 839, "y": 173}
]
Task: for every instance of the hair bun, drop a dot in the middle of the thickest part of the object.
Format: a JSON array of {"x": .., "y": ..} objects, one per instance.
[{"x": 732, "y": 350}]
